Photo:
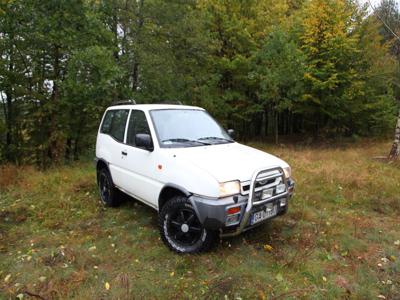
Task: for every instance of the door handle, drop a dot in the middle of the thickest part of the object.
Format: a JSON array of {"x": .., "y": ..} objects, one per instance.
[{"x": 124, "y": 153}]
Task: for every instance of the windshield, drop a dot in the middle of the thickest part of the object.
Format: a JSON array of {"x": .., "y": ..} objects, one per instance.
[{"x": 187, "y": 128}]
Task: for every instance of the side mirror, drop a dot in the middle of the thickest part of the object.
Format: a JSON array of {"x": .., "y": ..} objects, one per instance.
[
  {"x": 231, "y": 133},
  {"x": 143, "y": 140}
]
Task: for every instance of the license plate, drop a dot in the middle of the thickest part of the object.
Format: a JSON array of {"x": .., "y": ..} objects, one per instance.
[
  {"x": 268, "y": 212},
  {"x": 267, "y": 194}
]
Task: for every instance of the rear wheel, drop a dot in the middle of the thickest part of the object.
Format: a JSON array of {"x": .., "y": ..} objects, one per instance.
[
  {"x": 180, "y": 228},
  {"x": 108, "y": 192}
]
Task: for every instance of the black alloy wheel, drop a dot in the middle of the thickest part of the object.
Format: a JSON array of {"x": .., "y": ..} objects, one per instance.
[
  {"x": 180, "y": 228},
  {"x": 184, "y": 227}
]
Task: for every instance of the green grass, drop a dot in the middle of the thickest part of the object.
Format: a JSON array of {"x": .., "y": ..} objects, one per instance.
[{"x": 338, "y": 239}]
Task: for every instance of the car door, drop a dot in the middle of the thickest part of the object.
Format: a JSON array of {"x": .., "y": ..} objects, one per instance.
[
  {"x": 112, "y": 142},
  {"x": 142, "y": 178}
]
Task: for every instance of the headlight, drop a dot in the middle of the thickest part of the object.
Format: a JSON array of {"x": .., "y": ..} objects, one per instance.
[
  {"x": 288, "y": 172},
  {"x": 229, "y": 188}
]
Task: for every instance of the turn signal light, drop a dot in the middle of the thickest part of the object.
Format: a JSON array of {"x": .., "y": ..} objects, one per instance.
[{"x": 233, "y": 210}]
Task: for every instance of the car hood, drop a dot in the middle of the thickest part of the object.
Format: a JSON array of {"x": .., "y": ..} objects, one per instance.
[{"x": 226, "y": 162}]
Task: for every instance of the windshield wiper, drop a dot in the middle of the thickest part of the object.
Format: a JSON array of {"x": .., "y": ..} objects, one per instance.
[
  {"x": 216, "y": 138},
  {"x": 181, "y": 140}
]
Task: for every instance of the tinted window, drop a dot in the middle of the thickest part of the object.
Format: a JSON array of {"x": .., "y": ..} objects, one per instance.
[
  {"x": 105, "y": 127},
  {"x": 114, "y": 123},
  {"x": 137, "y": 124}
]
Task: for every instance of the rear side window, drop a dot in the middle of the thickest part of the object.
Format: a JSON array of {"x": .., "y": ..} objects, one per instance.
[
  {"x": 114, "y": 123},
  {"x": 137, "y": 124}
]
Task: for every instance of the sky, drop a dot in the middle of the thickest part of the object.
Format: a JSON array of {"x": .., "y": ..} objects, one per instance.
[{"x": 375, "y": 3}]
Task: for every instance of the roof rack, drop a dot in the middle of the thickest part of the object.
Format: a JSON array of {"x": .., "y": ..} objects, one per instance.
[{"x": 124, "y": 102}]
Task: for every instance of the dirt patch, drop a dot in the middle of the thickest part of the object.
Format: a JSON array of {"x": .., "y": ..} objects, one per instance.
[
  {"x": 8, "y": 176},
  {"x": 386, "y": 205},
  {"x": 61, "y": 256},
  {"x": 11, "y": 175},
  {"x": 84, "y": 186},
  {"x": 221, "y": 287},
  {"x": 14, "y": 216}
]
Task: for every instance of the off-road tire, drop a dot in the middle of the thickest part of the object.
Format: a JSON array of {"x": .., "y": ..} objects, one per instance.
[
  {"x": 168, "y": 221},
  {"x": 109, "y": 194}
]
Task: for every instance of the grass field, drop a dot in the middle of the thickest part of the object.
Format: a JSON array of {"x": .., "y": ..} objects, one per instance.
[{"x": 340, "y": 238}]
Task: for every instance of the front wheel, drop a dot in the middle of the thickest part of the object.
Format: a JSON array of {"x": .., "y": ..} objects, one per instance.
[{"x": 180, "y": 228}]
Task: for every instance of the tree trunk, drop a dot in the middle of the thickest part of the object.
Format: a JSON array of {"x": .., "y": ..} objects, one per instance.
[
  {"x": 395, "y": 151},
  {"x": 276, "y": 127},
  {"x": 68, "y": 149},
  {"x": 264, "y": 124},
  {"x": 135, "y": 70},
  {"x": 54, "y": 137},
  {"x": 10, "y": 117}
]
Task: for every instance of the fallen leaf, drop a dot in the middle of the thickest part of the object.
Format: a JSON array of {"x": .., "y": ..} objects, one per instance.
[
  {"x": 42, "y": 278},
  {"x": 397, "y": 243},
  {"x": 172, "y": 274},
  {"x": 268, "y": 248},
  {"x": 261, "y": 295},
  {"x": 381, "y": 297},
  {"x": 279, "y": 277},
  {"x": 324, "y": 278},
  {"x": 20, "y": 296},
  {"x": 92, "y": 248},
  {"x": 107, "y": 286},
  {"x": 7, "y": 278}
]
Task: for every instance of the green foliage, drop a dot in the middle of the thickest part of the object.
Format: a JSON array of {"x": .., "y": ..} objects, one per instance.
[
  {"x": 278, "y": 71},
  {"x": 262, "y": 67},
  {"x": 331, "y": 50},
  {"x": 89, "y": 86}
]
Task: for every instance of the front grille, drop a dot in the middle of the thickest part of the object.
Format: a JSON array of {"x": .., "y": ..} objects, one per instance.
[
  {"x": 268, "y": 180},
  {"x": 263, "y": 183}
]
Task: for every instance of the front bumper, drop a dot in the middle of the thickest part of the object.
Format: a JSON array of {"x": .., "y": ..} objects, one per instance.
[{"x": 213, "y": 213}]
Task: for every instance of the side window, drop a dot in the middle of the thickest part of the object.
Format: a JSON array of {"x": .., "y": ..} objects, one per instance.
[
  {"x": 105, "y": 127},
  {"x": 137, "y": 124},
  {"x": 114, "y": 123}
]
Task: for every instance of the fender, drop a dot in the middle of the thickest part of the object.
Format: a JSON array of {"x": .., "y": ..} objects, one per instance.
[
  {"x": 176, "y": 187},
  {"x": 97, "y": 161},
  {"x": 173, "y": 186}
]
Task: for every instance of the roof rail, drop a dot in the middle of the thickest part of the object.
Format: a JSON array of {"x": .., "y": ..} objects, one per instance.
[
  {"x": 124, "y": 102},
  {"x": 177, "y": 102}
]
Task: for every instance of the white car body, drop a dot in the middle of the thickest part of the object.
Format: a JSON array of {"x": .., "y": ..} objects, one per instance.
[{"x": 197, "y": 171}]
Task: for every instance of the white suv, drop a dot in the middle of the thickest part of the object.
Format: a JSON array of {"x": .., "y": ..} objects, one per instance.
[{"x": 180, "y": 161}]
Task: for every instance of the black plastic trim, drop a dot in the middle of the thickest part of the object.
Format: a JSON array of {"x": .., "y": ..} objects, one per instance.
[{"x": 177, "y": 187}]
